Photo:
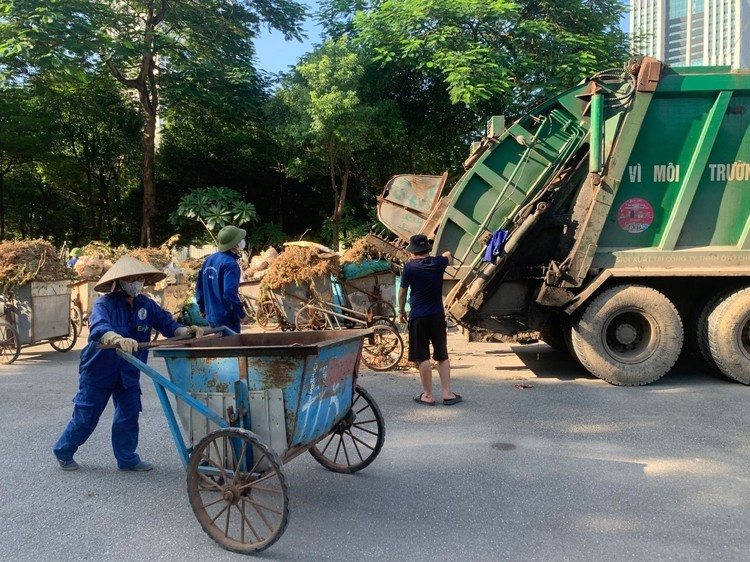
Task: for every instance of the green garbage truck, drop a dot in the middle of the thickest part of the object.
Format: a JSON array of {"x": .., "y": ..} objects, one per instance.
[{"x": 613, "y": 220}]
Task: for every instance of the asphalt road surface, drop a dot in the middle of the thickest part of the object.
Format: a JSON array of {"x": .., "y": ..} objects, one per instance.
[{"x": 540, "y": 462}]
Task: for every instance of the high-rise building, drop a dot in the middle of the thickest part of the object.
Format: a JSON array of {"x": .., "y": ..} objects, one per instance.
[{"x": 693, "y": 32}]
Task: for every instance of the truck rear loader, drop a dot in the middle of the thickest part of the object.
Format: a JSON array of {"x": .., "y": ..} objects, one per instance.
[{"x": 613, "y": 219}]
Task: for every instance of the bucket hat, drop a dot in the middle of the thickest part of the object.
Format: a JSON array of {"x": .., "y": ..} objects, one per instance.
[
  {"x": 229, "y": 237},
  {"x": 418, "y": 244},
  {"x": 76, "y": 253},
  {"x": 127, "y": 267}
]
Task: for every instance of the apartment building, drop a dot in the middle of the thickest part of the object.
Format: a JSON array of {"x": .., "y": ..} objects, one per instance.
[{"x": 693, "y": 32}]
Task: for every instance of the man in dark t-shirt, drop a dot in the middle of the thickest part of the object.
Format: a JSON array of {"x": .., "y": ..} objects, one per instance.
[{"x": 423, "y": 274}]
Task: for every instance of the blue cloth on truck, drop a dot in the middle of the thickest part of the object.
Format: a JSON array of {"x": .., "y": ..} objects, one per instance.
[
  {"x": 495, "y": 246},
  {"x": 351, "y": 271}
]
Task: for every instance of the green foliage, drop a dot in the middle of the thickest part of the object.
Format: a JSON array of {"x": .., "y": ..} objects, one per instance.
[
  {"x": 486, "y": 50},
  {"x": 269, "y": 234},
  {"x": 214, "y": 208},
  {"x": 350, "y": 228}
]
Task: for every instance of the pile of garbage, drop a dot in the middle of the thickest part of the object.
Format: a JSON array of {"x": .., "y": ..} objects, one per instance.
[
  {"x": 30, "y": 260},
  {"x": 361, "y": 251},
  {"x": 259, "y": 264},
  {"x": 300, "y": 264}
]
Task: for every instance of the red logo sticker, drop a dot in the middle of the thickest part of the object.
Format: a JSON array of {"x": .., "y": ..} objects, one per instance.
[{"x": 635, "y": 215}]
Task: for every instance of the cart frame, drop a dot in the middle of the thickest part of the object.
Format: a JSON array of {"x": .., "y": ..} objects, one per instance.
[{"x": 234, "y": 465}]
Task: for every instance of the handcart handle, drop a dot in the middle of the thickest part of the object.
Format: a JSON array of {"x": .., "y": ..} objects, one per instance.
[{"x": 167, "y": 341}]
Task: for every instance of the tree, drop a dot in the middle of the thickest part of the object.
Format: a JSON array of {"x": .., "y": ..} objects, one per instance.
[
  {"x": 214, "y": 208},
  {"x": 148, "y": 46},
  {"x": 21, "y": 138},
  {"x": 328, "y": 121},
  {"x": 488, "y": 50},
  {"x": 98, "y": 129}
]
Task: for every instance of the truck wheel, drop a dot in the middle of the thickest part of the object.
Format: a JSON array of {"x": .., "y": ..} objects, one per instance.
[
  {"x": 553, "y": 333},
  {"x": 629, "y": 335},
  {"x": 729, "y": 335},
  {"x": 701, "y": 330}
]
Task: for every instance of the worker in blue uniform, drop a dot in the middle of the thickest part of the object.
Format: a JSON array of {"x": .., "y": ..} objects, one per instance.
[
  {"x": 217, "y": 289},
  {"x": 122, "y": 317},
  {"x": 75, "y": 254}
]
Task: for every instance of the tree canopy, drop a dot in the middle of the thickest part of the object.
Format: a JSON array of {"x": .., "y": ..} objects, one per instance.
[{"x": 104, "y": 104}]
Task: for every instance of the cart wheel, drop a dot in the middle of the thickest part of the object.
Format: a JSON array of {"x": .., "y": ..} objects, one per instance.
[
  {"x": 383, "y": 349},
  {"x": 309, "y": 318},
  {"x": 268, "y": 315},
  {"x": 66, "y": 343},
  {"x": 383, "y": 309},
  {"x": 357, "y": 439},
  {"x": 76, "y": 316},
  {"x": 238, "y": 490},
  {"x": 10, "y": 345},
  {"x": 247, "y": 306}
]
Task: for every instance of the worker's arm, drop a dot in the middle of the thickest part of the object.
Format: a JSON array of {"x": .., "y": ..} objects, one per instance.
[{"x": 402, "y": 291}]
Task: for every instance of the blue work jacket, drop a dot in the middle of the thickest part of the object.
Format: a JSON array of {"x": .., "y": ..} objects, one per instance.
[
  {"x": 217, "y": 289},
  {"x": 112, "y": 313}
]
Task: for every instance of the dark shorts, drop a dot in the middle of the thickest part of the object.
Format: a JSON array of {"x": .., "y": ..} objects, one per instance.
[{"x": 425, "y": 331}]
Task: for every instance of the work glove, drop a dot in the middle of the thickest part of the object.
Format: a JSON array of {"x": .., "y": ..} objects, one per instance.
[
  {"x": 187, "y": 330},
  {"x": 126, "y": 344}
]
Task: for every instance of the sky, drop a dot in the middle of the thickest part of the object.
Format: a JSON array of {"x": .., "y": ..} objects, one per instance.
[{"x": 274, "y": 54}]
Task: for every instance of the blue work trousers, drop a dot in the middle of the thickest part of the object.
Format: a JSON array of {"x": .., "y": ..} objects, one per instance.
[
  {"x": 233, "y": 325},
  {"x": 89, "y": 405}
]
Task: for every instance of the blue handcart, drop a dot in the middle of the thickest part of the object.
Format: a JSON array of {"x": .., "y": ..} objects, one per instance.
[{"x": 248, "y": 404}]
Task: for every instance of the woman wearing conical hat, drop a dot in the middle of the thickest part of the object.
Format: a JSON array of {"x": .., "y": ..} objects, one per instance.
[{"x": 123, "y": 317}]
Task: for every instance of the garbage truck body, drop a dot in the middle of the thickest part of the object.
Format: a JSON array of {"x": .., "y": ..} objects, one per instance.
[{"x": 613, "y": 220}]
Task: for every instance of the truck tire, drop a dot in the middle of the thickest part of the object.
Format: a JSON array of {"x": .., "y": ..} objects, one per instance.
[
  {"x": 552, "y": 333},
  {"x": 629, "y": 335},
  {"x": 729, "y": 335},
  {"x": 701, "y": 330}
]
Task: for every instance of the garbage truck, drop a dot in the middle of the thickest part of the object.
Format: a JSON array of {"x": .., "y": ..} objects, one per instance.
[{"x": 613, "y": 221}]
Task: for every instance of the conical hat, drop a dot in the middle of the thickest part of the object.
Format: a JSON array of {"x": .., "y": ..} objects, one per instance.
[{"x": 126, "y": 267}]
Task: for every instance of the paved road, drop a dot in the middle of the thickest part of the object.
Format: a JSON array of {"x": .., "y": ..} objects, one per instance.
[{"x": 569, "y": 469}]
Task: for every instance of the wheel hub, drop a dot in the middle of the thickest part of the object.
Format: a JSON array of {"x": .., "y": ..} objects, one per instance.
[
  {"x": 626, "y": 334},
  {"x": 231, "y": 494}
]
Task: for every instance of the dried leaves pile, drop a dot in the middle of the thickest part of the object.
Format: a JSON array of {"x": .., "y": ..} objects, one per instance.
[
  {"x": 96, "y": 248},
  {"x": 157, "y": 257},
  {"x": 299, "y": 265},
  {"x": 30, "y": 260},
  {"x": 361, "y": 251}
]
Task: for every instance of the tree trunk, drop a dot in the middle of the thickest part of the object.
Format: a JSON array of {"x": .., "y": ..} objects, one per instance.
[
  {"x": 2, "y": 205},
  {"x": 148, "y": 143},
  {"x": 148, "y": 95},
  {"x": 339, "y": 201}
]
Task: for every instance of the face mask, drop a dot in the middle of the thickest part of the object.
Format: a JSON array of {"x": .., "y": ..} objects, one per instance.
[
  {"x": 132, "y": 288},
  {"x": 241, "y": 245}
]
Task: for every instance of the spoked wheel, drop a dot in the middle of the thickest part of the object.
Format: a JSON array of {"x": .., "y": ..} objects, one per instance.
[
  {"x": 383, "y": 349},
  {"x": 10, "y": 346},
  {"x": 76, "y": 316},
  {"x": 238, "y": 490},
  {"x": 247, "y": 306},
  {"x": 356, "y": 440},
  {"x": 66, "y": 343},
  {"x": 268, "y": 315},
  {"x": 383, "y": 309},
  {"x": 310, "y": 318}
]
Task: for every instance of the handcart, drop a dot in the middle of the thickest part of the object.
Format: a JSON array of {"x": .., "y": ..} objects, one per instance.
[
  {"x": 250, "y": 403},
  {"x": 372, "y": 294},
  {"x": 36, "y": 313},
  {"x": 381, "y": 352},
  {"x": 82, "y": 298}
]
